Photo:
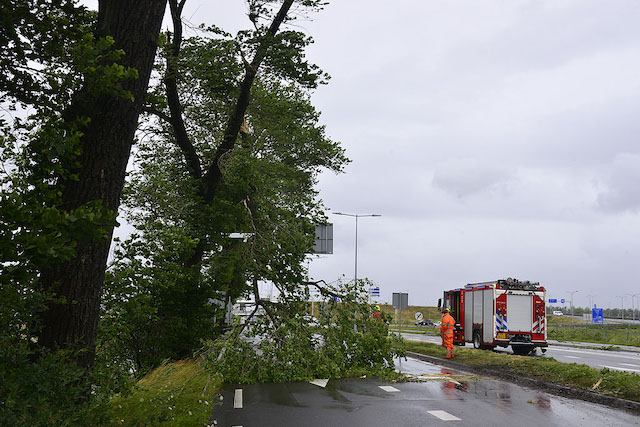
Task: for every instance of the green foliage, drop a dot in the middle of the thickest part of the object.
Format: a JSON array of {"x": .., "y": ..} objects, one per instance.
[
  {"x": 38, "y": 43},
  {"x": 285, "y": 343},
  {"x": 47, "y": 56},
  {"x": 154, "y": 309},
  {"x": 157, "y": 305},
  {"x": 38, "y": 387},
  {"x": 180, "y": 393},
  {"x": 43, "y": 390}
]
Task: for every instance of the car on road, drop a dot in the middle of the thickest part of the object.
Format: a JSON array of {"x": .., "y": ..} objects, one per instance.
[
  {"x": 425, "y": 322},
  {"x": 558, "y": 313}
]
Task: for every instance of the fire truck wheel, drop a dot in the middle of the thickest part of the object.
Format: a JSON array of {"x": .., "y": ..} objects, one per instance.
[{"x": 476, "y": 340}]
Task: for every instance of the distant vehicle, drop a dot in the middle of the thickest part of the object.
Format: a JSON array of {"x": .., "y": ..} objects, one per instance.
[
  {"x": 558, "y": 313},
  {"x": 425, "y": 322}
]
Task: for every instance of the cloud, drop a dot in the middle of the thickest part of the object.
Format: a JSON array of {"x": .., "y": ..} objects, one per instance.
[
  {"x": 464, "y": 177},
  {"x": 620, "y": 192}
]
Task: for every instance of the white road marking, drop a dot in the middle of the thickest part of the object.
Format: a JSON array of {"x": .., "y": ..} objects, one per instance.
[
  {"x": 573, "y": 357},
  {"x": 320, "y": 382},
  {"x": 388, "y": 388},
  {"x": 237, "y": 399},
  {"x": 630, "y": 364},
  {"x": 444, "y": 416},
  {"x": 620, "y": 369}
]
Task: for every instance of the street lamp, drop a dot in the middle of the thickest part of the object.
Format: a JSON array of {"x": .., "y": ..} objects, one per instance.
[
  {"x": 633, "y": 307},
  {"x": 356, "y": 216},
  {"x": 355, "y": 273},
  {"x": 621, "y": 299},
  {"x": 572, "y": 292},
  {"x": 591, "y": 306}
]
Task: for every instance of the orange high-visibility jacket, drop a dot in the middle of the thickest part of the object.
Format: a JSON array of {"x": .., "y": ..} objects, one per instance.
[{"x": 446, "y": 326}]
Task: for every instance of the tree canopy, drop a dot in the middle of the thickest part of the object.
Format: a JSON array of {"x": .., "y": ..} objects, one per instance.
[
  {"x": 227, "y": 150},
  {"x": 266, "y": 192}
]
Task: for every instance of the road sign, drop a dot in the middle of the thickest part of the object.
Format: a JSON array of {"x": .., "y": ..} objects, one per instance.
[
  {"x": 375, "y": 292},
  {"x": 418, "y": 316},
  {"x": 596, "y": 315},
  {"x": 400, "y": 300},
  {"x": 324, "y": 239},
  {"x": 562, "y": 300},
  {"x": 553, "y": 300}
]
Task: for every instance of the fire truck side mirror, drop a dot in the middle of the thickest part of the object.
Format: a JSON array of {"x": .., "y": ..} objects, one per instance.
[{"x": 439, "y": 304}]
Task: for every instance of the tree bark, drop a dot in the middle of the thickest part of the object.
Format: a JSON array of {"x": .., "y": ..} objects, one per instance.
[{"x": 71, "y": 320}]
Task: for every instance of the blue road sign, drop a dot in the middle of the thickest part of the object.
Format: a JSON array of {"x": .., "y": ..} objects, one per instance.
[
  {"x": 553, "y": 300},
  {"x": 596, "y": 315},
  {"x": 375, "y": 292},
  {"x": 562, "y": 300}
]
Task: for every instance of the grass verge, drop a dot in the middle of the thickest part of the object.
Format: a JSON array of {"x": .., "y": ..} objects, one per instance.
[
  {"x": 180, "y": 393},
  {"x": 604, "y": 381},
  {"x": 604, "y": 334}
]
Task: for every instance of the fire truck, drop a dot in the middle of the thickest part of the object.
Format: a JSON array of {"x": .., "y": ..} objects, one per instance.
[{"x": 499, "y": 313}]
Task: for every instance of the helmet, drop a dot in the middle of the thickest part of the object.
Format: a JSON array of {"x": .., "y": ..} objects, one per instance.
[
  {"x": 447, "y": 310},
  {"x": 377, "y": 308}
]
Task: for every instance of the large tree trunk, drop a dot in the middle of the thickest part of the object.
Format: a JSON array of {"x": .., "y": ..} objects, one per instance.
[{"x": 71, "y": 321}]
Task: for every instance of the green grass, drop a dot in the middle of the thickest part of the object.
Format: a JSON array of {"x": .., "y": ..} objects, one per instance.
[
  {"x": 180, "y": 393},
  {"x": 408, "y": 315},
  {"x": 614, "y": 383},
  {"x": 604, "y": 334},
  {"x": 559, "y": 327}
]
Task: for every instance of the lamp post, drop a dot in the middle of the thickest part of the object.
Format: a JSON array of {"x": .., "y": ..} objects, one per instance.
[
  {"x": 621, "y": 299},
  {"x": 591, "y": 307},
  {"x": 633, "y": 307},
  {"x": 572, "y": 292},
  {"x": 355, "y": 272},
  {"x": 356, "y": 216}
]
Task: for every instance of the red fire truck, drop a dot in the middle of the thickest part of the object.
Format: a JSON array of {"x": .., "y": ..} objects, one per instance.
[{"x": 499, "y": 313}]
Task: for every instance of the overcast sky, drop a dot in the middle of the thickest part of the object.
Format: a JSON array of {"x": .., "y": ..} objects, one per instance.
[{"x": 496, "y": 139}]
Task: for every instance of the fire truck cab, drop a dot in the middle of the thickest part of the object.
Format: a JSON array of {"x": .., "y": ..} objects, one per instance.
[{"x": 499, "y": 313}]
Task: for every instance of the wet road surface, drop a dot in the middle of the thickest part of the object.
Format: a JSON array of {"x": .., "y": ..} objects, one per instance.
[{"x": 435, "y": 396}]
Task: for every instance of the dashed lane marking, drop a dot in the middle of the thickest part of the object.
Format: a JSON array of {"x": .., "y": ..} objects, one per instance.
[
  {"x": 444, "y": 416},
  {"x": 630, "y": 364},
  {"x": 573, "y": 357},
  {"x": 388, "y": 388},
  {"x": 237, "y": 399}
]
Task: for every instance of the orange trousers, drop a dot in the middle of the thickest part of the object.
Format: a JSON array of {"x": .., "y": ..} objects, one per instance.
[{"x": 447, "y": 343}]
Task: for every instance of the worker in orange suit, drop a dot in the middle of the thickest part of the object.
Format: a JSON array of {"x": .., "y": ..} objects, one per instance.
[
  {"x": 446, "y": 331},
  {"x": 376, "y": 313}
]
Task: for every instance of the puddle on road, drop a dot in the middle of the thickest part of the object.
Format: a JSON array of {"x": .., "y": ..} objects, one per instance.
[{"x": 541, "y": 401}]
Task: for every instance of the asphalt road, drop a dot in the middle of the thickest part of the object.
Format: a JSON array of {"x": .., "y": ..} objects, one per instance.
[
  {"x": 437, "y": 396},
  {"x": 616, "y": 360}
]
